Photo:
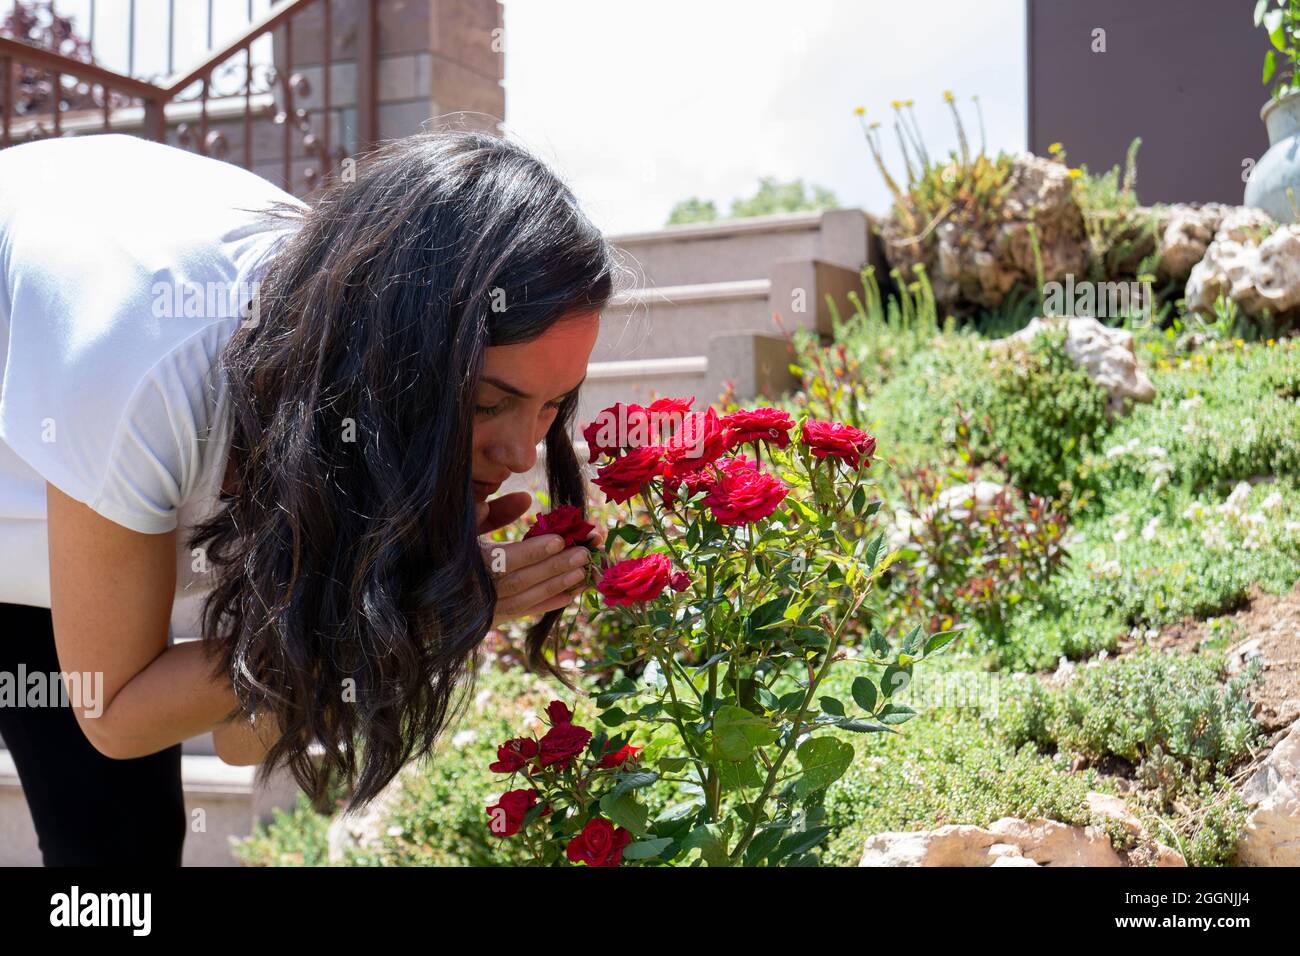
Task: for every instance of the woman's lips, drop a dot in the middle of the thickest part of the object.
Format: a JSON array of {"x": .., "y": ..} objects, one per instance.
[{"x": 482, "y": 489}]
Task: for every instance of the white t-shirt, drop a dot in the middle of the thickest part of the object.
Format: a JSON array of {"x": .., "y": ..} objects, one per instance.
[{"x": 124, "y": 265}]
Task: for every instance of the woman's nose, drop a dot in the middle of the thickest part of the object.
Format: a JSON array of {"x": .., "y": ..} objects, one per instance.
[{"x": 518, "y": 452}]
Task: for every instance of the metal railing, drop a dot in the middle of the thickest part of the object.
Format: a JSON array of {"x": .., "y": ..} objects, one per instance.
[{"x": 102, "y": 100}]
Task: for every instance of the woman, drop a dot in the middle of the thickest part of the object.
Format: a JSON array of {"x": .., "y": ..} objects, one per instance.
[{"x": 226, "y": 415}]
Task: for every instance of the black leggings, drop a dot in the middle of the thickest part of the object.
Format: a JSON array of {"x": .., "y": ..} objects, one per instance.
[{"x": 89, "y": 810}]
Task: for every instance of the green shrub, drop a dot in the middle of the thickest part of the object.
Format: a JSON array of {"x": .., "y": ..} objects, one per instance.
[
  {"x": 1224, "y": 414},
  {"x": 1176, "y": 718},
  {"x": 946, "y": 769},
  {"x": 296, "y": 837},
  {"x": 1156, "y": 559},
  {"x": 1035, "y": 413}
]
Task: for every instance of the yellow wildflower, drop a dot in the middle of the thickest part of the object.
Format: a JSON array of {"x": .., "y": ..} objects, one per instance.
[{"x": 1055, "y": 148}]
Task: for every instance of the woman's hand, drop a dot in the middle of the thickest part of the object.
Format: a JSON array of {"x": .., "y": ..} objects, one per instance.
[{"x": 532, "y": 576}]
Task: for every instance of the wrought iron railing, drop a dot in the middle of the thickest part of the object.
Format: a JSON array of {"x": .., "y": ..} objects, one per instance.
[{"x": 47, "y": 93}]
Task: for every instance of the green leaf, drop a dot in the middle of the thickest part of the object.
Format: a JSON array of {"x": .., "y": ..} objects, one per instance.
[
  {"x": 634, "y": 781},
  {"x": 709, "y": 841},
  {"x": 737, "y": 732},
  {"x": 796, "y": 371},
  {"x": 1270, "y": 66},
  {"x": 939, "y": 640},
  {"x": 832, "y": 706},
  {"x": 769, "y": 612},
  {"x": 824, "y": 760},
  {"x": 626, "y": 812},
  {"x": 896, "y": 714},
  {"x": 712, "y": 660},
  {"x": 742, "y": 775},
  {"x": 792, "y": 612},
  {"x": 679, "y": 811},
  {"x": 800, "y": 842},
  {"x": 864, "y": 693},
  {"x": 894, "y": 679},
  {"x": 673, "y": 764},
  {"x": 861, "y": 726},
  {"x": 763, "y": 844},
  {"x": 646, "y": 849},
  {"x": 613, "y": 717}
]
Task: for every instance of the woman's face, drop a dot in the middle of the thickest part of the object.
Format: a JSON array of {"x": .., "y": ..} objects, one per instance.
[{"x": 519, "y": 395}]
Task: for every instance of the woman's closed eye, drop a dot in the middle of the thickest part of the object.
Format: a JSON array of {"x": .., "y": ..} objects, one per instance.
[{"x": 492, "y": 410}]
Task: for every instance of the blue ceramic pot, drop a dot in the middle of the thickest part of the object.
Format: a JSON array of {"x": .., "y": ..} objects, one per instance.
[{"x": 1280, "y": 166}]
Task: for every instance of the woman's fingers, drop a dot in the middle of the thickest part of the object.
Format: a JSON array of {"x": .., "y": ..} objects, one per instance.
[
  {"x": 503, "y": 510},
  {"x": 532, "y": 595},
  {"x": 568, "y": 562}
]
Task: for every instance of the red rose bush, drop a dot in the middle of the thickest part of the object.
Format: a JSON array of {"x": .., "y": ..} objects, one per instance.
[{"x": 739, "y": 592}]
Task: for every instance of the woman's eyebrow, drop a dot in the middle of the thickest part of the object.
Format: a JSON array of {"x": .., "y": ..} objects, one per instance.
[{"x": 511, "y": 390}]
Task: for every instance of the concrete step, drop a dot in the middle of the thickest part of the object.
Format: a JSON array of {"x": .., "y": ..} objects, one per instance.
[
  {"x": 743, "y": 248},
  {"x": 670, "y": 321},
  {"x": 222, "y": 803}
]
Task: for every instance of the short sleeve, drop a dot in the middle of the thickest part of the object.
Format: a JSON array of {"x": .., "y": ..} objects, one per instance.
[{"x": 134, "y": 462}]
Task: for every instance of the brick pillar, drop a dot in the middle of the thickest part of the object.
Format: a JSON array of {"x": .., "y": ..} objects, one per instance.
[{"x": 435, "y": 58}]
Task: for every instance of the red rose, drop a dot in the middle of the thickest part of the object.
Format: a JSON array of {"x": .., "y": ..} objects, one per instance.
[
  {"x": 635, "y": 580},
  {"x": 606, "y": 434},
  {"x": 632, "y": 426},
  {"x": 514, "y": 754},
  {"x": 599, "y": 844},
  {"x": 624, "y": 477},
  {"x": 561, "y": 744},
  {"x": 506, "y": 816},
  {"x": 619, "y": 757},
  {"x": 559, "y": 713},
  {"x": 759, "y": 424},
  {"x": 665, "y": 416},
  {"x": 679, "y": 581},
  {"x": 837, "y": 440},
  {"x": 566, "y": 521},
  {"x": 700, "y": 440},
  {"x": 743, "y": 495}
]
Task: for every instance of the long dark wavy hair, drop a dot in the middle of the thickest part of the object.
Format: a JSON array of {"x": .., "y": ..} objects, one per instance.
[{"x": 351, "y": 594}]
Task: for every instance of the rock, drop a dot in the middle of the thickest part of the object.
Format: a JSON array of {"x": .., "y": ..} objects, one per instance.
[
  {"x": 1014, "y": 842},
  {"x": 959, "y": 500},
  {"x": 1106, "y": 354},
  {"x": 974, "y": 262},
  {"x": 1186, "y": 231},
  {"x": 1259, "y": 276},
  {"x": 908, "y": 527},
  {"x": 1008, "y": 842},
  {"x": 1242, "y": 654},
  {"x": 1113, "y": 808},
  {"x": 952, "y": 845},
  {"x": 1272, "y": 833},
  {"x": 1050, "y": 843}
]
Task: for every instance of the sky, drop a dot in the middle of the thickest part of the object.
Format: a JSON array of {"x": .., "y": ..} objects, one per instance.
[{"x": 640, "y": 104}]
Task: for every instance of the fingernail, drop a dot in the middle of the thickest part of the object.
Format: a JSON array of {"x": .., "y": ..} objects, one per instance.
[
  {"x": 579, "y": 558},
  {"x": 573, "y": 577},
  {"x": 555, "y": 546}
]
